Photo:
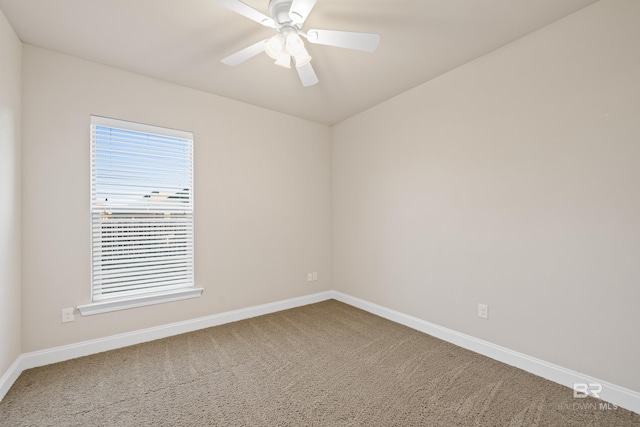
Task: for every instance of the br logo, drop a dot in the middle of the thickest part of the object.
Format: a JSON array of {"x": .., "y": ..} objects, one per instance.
[{"x": 582, "y": 390}]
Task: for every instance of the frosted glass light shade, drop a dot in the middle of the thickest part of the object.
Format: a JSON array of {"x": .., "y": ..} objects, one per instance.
[
  {"x": 284, "y": 60},
  {"x": 302, "y": 58},
  {"x": 293, "y": 44},
  {"x": 274, "y": 46}
]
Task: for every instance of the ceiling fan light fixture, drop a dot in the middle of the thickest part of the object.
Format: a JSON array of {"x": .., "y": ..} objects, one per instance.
[
  {"x": 284, "y": 60},
  {"x": 288, "y": 18},
  {"x": 302, "y": 58},
  {"x": 293, "y": 44},
  {"x": 274, "y": 46}
]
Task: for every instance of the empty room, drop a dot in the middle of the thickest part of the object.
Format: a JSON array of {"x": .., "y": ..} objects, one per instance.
[{"x": 323, "y": 213}]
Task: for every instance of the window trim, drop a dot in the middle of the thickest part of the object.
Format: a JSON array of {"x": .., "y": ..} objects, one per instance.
[{"x": 150, "y": 298}]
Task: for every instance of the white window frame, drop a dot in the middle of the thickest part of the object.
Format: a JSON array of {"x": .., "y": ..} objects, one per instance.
[{"x": 108, "y": 291}]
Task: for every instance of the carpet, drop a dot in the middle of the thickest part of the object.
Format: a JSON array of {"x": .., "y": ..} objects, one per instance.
[{"x": 325, "y": 364}]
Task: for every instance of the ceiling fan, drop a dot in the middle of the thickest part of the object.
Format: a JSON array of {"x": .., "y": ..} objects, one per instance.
[{"x": 287, "y": 18}]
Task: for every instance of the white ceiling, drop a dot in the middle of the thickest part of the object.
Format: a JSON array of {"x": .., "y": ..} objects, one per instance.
[{"x": 182, "y": 41}]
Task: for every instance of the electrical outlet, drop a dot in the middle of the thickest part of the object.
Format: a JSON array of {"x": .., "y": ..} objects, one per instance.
[
  {"x": 483, "y": 311},
  {"x": 315, "y": 276},
  {"x": 309, "y": 277},
  {"x": 67, "y": 315}
]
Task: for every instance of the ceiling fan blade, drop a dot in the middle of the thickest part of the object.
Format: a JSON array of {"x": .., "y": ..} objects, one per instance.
[
  {"x": 300, "y": 10},
  {"x": 367, "y": 42},
  {"x": 247, "y": 11},
  {"x": 307, "y": 75},
  {"x": 244, "y": 54}
]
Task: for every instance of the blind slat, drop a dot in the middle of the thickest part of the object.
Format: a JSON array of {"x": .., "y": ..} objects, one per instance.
[
  {"x": 132, "y": 263},
  {"x": 131, "y": 165},
  {"x": 140, "y": 271},
  {"x": 143, "y": 145},
  {"x": 135, "y": 252},
  {"x": 159, "y": 277}
]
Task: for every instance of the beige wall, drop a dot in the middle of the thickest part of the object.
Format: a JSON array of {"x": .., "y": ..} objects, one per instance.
[
  {"x": 10, "y": 320},
  {"x": 511, "y": 181},
  {"x": 262, "y": 188}
]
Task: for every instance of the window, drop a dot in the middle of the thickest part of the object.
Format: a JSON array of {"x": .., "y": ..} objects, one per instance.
[{"x": 141, "y": 215}]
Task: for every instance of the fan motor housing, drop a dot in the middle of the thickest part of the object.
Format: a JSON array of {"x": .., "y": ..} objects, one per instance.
[{"x": 279, "y": 10}]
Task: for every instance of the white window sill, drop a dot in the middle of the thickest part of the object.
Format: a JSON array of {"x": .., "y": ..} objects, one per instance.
[{"x": 138, "y": 301}]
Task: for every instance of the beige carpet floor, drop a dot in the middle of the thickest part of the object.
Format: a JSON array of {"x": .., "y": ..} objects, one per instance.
[{"x": 326, "y": 364}]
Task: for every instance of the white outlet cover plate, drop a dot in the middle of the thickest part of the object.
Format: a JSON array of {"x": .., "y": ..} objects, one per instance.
[
  {"x": 483, "y": 311},
  {"x": 68, "y": 315}
]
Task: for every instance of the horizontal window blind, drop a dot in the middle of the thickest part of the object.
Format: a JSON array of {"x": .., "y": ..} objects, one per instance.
[{"x": 141, "y": 209}]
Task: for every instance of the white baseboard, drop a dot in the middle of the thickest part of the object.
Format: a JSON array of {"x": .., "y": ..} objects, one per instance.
[
  {"x": 86, "y": 348},
  {"x": 9, "y": 377},
  {"x": 611, "y": 393}
]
